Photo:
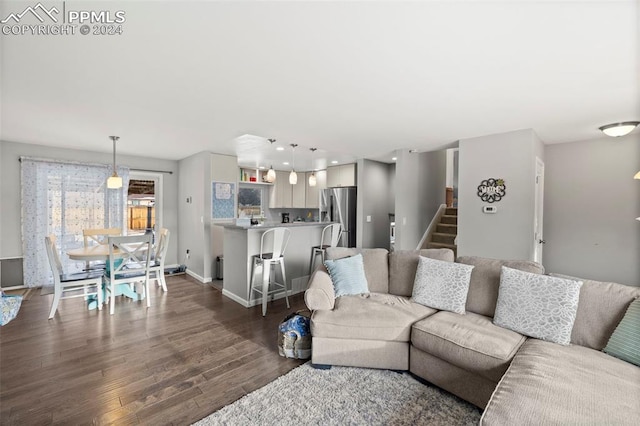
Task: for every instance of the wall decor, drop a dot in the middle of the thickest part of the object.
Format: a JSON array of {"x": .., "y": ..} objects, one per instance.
[
  {"x": 223, "y": 200},
  {"x": 491, "y": 190}
]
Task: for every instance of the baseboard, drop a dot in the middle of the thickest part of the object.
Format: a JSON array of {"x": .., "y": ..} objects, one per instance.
[
  {"x": 196, "y": 276},
  {"x": 253, "y": 302}
]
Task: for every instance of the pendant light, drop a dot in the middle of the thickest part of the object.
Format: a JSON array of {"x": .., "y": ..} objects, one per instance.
[
  {"x": 271, "y": 174},
  {"x": 115, "y": 181},
  {"x": 293, "y": 176},
  {"x": 312, "y": 179}
]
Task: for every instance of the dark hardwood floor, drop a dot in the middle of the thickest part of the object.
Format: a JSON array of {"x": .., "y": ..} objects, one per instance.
[{"x": 193, "y": 352}]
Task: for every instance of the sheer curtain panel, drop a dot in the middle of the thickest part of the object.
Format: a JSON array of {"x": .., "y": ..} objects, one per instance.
[{"x": 63, "y": 198}]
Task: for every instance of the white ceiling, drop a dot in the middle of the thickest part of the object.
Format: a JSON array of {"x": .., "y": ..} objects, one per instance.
[{"x": 355, "y": 79}]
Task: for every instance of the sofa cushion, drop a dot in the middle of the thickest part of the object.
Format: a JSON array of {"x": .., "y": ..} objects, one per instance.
[
  {"x": 403, "y": 265},
  {"x": 470, "y": 341},
  {"x": 550, "y": 384},
  {"x": 537, "y": 305},
  {"x": 625, "y": 340},
  {"x": 441, "y": 285},
  {"x": 485, "y": 281},
  {"x": 375, "y": 316},
  {"x": 600, "y": 308},
  {"x": 347, "y": 275},
  {"x": 376, "y": 265}
]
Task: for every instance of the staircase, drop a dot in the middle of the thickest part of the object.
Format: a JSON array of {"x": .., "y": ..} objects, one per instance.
[{"x": 446, "y": 231}]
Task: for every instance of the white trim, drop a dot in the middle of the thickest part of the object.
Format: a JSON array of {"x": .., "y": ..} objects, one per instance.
[
  {"x": 432, "y": 226},
  {"x": 254, "y": 302},
  {"x": 196, "y": 276}
]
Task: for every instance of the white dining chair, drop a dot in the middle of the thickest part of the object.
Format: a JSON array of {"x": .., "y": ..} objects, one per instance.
[
  {"x": 329, "y": 238},
  {"x": 160, "y": 252},
  {"x": 97, "y": 236},
  {"x": 129, "y": 261},
  {"x": 89, "y": 282},
  {"x": 273, "y": 243}
]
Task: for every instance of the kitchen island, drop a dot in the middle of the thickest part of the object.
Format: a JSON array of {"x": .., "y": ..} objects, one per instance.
[{"x": 242, "y": 242}]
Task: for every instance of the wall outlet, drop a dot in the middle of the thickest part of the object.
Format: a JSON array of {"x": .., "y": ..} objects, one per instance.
[{"x": 188, "y": 254}]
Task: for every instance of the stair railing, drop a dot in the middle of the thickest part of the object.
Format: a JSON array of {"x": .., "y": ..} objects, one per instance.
[{"x": 426, "y": 237}]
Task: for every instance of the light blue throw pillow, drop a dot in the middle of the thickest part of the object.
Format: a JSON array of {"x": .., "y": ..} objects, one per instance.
[{"x": 347, "y": 275}]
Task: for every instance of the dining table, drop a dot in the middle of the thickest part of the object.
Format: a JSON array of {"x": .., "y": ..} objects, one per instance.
[{"x": 100, "y": 252}]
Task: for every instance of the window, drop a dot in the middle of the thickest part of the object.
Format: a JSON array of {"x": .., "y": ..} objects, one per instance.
[{"x": 249, "y": 202}]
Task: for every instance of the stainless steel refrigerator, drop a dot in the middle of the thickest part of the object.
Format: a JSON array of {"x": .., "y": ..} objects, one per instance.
[{"x": 339, "y": 205}]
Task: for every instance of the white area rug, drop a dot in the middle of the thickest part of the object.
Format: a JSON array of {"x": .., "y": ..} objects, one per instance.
[{"x": 346, "y": 396}]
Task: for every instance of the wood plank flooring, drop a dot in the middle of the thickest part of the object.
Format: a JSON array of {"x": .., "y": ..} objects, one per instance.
[{"x": 193, "y": 352}]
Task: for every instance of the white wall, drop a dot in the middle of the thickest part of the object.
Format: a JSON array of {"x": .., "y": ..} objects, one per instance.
[
  {"x": 198, "y": 234},
  {"x": 374, "y": 186},
  {"x": 591, "y": 200},
  {"x": 10, "y": 196},
  {"x": 507, "y": 234}
]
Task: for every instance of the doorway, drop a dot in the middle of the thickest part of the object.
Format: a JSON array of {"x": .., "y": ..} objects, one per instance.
[{"x": 144, "y": 203}]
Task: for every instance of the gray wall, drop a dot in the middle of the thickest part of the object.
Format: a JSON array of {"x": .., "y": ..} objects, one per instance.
[
  {"x": 507, "y": 234},
  {"x": 197, "y": 233},
  {"x": 374, "y": 186},
  {"x": 433, "y": 179},
  {"x": 11, "y": 237},
  {"x": 591, "y": 201},
  {"x": 419, "y": 190}
]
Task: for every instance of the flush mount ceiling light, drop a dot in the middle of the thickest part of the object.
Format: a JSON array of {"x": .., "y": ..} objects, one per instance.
[
  {"x": 114, "y": 181},
  {"x": 312, "y": 179},
  {"x": 271, "y": 174},
  {"x": 293, "y": 176},
  {"x": 619, "y": 129}
]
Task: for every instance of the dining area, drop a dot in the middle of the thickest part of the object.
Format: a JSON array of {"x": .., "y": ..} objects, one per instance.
[{"x": 106, "y": 267}]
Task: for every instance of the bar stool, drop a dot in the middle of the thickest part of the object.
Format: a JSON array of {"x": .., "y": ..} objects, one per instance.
[
  {"x": 332, "y": 232},
  {"x": 275, "y": 240}
]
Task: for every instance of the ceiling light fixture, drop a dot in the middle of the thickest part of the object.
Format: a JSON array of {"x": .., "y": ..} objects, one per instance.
[
  {"x": 637, "y": 176},
  {"x": 394, "y": 158},
  {"x": 271, "y": 174},
  {"x": 312, "y": 179},
  {"x": 280, "y": 148},
  {"x": 293, "y": 176},
  {"x": 114, "y": 181},
  {"x": 334, "y": 162},
  {"x": 619, "y": 129}
]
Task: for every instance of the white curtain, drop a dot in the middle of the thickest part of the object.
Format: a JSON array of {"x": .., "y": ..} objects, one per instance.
[{"x": 63, "y": 198}]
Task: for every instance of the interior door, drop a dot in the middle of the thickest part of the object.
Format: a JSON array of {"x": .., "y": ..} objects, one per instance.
[{"x": 538, "y": 236}]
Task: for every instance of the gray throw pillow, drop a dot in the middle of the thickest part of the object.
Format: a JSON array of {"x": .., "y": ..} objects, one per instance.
[
  {"x": 537, "y": 305},
  {"x": 348, "y": 275},
  {"x": 441, "y": 285}
]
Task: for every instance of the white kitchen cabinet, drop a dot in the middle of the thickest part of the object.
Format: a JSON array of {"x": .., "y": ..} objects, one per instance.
[
  {"x": 298, "y": 191},
  {"x": 313, "y": 192},
  {"x": 281, "y": 195},
  {"x": 343, "y": 175}
]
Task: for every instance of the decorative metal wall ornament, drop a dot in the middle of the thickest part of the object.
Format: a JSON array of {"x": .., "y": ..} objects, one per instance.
[{"x": 491, "y": 190}]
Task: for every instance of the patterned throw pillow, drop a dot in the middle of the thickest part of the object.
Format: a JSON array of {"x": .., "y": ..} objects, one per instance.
[
  {"x": 625, "y": 340},
  {"x": 441, "y": 285},
  {"x": 537, "y": 305},
  {"x": 347, "y": 275}
]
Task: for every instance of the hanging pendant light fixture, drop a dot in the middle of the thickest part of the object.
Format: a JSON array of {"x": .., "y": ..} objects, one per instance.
[
  {"x": 312, "y": 179},
  {"x": 271, "y": 174},
  {"x": 293, "y": 176},
  {"x": 114, "y": 181}
]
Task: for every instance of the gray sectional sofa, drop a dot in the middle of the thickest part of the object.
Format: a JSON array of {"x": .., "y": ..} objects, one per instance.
[{"x": 516, "y": 379}]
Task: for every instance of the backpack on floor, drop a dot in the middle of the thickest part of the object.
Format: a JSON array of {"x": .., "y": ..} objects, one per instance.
[{"x": 294, "y": 337}]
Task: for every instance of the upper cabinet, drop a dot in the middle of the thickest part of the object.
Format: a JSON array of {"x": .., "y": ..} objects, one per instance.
[
  {"x": 344, "y": 175},
  {"x": 312, "y": 198},
  {"x": 300, "y": 195}
]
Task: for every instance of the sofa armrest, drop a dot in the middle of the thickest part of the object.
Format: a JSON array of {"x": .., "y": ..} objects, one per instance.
[{"x": 320, "y": 294}]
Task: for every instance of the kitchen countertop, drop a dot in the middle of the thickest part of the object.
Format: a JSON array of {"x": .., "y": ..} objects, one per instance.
[{"x": 269, "y": 225}]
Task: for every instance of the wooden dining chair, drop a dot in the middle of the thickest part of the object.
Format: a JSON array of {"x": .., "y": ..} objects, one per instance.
[
  {"x": 97, "y": 236},
  {"x": 129, "y": 261},
  {"x": 89, "y": 282},
  {"x": 160, "y": 252}
]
